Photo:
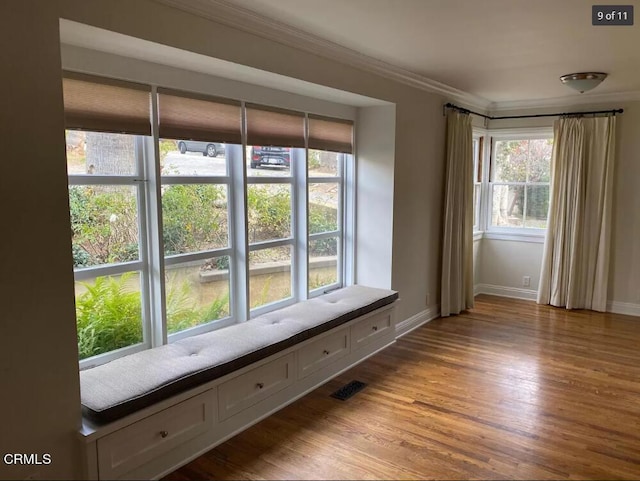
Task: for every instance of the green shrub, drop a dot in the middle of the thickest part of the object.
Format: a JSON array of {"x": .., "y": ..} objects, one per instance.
[
  {"x": 194, "y": 217},
  {"x": 104, "y": 225},
  {"x": 269, "y": 213},
  {"x": 109, "y": 314}
]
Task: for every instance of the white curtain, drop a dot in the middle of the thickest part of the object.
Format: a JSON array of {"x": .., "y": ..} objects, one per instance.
[
  {"x": 457, "y": 239},
  {"x": 575, "y": 265}
]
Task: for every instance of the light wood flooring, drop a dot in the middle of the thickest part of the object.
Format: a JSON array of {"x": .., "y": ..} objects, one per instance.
[{"x": 509, "y": 390}]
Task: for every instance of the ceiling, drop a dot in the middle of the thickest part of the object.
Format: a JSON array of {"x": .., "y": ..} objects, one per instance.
[{"x": 504, "y": 53}]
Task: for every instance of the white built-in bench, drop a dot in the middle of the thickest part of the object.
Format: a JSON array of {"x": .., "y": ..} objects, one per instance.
[{"x": 148, "y": 413}]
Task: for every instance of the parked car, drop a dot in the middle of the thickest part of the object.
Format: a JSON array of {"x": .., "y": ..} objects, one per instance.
[
  {"x": 271, "y": 156},
  {"x": 207, "y": 148}
]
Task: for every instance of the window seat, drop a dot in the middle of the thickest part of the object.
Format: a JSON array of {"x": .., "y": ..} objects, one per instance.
[{"x": 134, "y": 382}]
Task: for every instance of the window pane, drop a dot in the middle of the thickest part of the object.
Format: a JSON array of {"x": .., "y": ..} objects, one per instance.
[
  {"x": 537, "y": 206},
  {"x": 193, "y": 158},
  {"x": 196, "y": 293},
  {"x": 511, "y": 161},
  {"x": 540, "y": 160},
  {"x": 323, "y": 163},
  {"x": 508, "y": 205},
  {"x": 108, "y": 313},
  {"x": 323, "y": 207},
  {"x": 323, "y": 262},
  {"x": 269, "y": 275},
  {"x": 194, "y": 218},
  {"x": 104, "y": 222},
  {"x": 96, "y": 153},
  {"x": 269, "y": 209},
  {"x": 268, "y": 161}
]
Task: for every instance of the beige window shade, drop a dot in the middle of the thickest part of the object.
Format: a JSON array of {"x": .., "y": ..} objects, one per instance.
[
  {"x": 105, "y": 105},
  {"x": 330, "y": 134},
  {"x": 270, "y": 126},
  {"x": 193, "y": 117}
]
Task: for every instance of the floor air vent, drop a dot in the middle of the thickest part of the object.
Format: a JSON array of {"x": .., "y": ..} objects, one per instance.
[{"x": 348, "y": 390}]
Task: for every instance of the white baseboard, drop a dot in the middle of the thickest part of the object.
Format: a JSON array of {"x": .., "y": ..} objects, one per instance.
[
  {"x": 504, "y": 291},
  {"x": 627, "y": 308},
  {"x": 408, "y": 325}
]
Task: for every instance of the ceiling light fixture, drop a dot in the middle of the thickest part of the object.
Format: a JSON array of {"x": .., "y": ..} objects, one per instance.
[{"x": 583, "y": 81}]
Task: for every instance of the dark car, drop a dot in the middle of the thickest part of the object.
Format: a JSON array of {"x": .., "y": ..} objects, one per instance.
[
  {"x": 207, "y": 148},
  {"x": 270, "y": 156}
]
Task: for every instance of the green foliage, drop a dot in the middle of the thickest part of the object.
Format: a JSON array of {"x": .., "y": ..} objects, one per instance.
[
  {"x": 81, "y": 258},
  {"x": 523, "y": 160},
  {"x": 194, "y": 218},
  {"x": 269, "y": 212},
  {"x": 270, "y": 218},
  {"x": 104, "y": 224},
  {"x": 181, "y": 314},
  {"x": 321, "y": 218},
  {"x": 109, "y": 314}
]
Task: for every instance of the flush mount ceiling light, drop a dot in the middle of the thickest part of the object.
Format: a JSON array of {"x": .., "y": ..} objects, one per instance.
[{"x": 583, "y": 81}]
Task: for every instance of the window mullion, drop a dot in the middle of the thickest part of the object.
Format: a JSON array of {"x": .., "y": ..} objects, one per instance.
[
  {"x": 300, "y": 261},
  {"x": 239, "y": 263},
  {"x": 155, "y": 279},
  {"x": 486, "y": 191},
  {"x": 143, "y": 226},
  {"x": 348, "y": 248}
]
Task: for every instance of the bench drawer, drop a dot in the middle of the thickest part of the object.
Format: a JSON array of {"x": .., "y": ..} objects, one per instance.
[
  {"x": 324, "y": 351},
  {"x": 253, "y": 386},
  {"x": 141, "y": 442},
  {"x": 371, "y": 328}
]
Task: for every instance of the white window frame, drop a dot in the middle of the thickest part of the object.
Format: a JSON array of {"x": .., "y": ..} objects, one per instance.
[
  {"x": 486, "y": 230},
  {"x": 152, "y": 262},
  {"x": 138, "y": 180}
]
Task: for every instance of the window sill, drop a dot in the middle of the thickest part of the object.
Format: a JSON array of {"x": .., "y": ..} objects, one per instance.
[{"x": 532, "y": 237}]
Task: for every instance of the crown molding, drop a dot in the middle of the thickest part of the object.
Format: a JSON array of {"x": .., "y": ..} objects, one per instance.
[
  {"x": 251, "y": 22},
  {"x": 568, "y": 101}
]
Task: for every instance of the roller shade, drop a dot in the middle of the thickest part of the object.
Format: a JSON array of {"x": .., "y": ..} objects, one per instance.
[
  {"x": 106, "y": 105},
  {"x": 187, "y": 116},
  {"x": 326, "y": 133},
  {"x": 270, "y": 126}
]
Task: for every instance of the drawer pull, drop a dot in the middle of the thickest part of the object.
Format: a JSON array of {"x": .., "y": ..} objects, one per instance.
[
  {"x": 325, "y": 352},
  {"x": 164, "y": 434},
  {"x": 375, "y": 328},
  {"x": 260, "y": 385}
]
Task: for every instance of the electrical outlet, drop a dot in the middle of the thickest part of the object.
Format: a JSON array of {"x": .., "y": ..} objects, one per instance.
[
  {"x": 428, "y": 298},
  {"x": 526, "y": 281}
]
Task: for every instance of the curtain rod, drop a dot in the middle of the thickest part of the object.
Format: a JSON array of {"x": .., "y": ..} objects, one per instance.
[{"x": 489, "y": 117}]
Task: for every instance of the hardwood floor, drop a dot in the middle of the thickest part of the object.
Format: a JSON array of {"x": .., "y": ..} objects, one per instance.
[{"x": 509, "y": 390}]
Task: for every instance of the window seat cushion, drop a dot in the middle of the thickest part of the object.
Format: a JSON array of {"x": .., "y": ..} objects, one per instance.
[{"x": 128, "y": 384}]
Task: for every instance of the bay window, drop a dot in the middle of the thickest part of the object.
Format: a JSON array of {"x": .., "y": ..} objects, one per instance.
[{"x": 191, "y": 213}]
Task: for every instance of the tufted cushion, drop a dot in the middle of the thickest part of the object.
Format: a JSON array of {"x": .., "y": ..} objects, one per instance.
[{"x": 133, "y": 382}]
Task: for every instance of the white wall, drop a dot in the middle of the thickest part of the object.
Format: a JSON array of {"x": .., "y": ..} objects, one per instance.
[
  {"x": 503, "y": 264},
  {"x": 39, "y": 400},
  {"x": 375, "y": 134},
  {"x": 40, "y": 408}
]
